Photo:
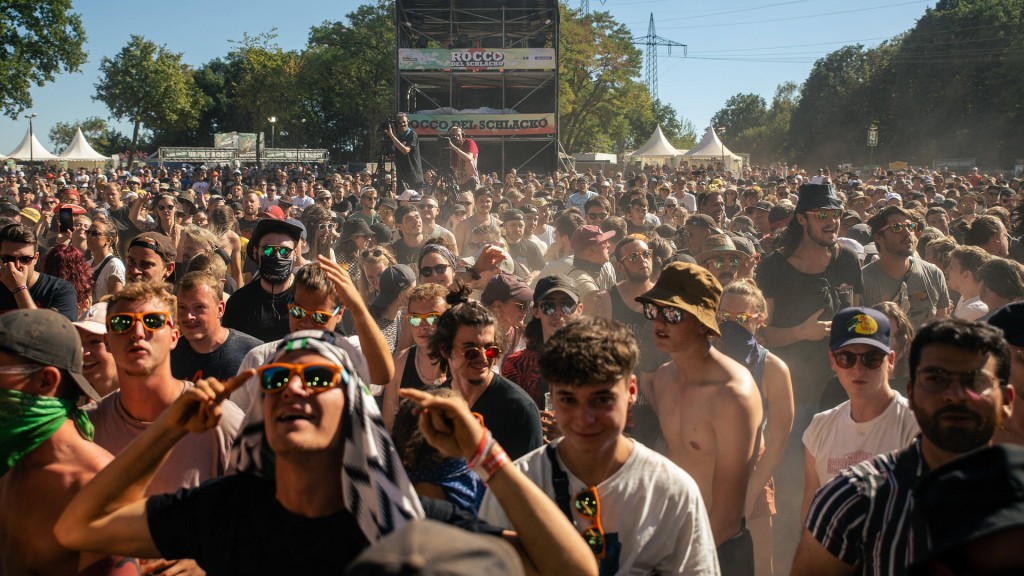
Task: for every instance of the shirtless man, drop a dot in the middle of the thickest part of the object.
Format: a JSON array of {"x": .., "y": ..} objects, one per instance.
[
  {"x": 47, "y": 452},
  {"x": 708, "y": 405}
]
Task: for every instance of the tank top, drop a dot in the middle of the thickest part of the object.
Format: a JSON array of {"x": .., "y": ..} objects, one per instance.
[{"x": 410, "y": 377}]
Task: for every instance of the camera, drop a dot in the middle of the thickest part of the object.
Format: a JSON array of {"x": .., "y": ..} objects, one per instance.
[
  {"x": 385, "y": 124},
  {"x": 446, "y": 141}
]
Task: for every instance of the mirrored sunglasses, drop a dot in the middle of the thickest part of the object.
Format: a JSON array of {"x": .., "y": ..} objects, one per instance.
[
  {"x": 319, "y": 316},
  {"x": 668, "y": 314},
  {"x": 635, "y": 256},
  {"x": 281, "y": 251},
  {"x": 828, "y": 214},
  {"x": 738, "y": 317},
  {"x": 549, "y": 307},
  {"x": 416, "y": 319},
  {"x": 124, "y": 321},
  {"x": 898, "y": 227},
  {"x": 273, "y": 378}
]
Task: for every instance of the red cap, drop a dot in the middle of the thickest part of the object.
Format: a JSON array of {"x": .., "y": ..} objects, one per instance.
[{"x": 274, "y": 212}]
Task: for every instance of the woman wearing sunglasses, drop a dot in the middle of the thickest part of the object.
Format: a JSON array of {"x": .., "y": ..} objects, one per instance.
[
  {"x": 321, "y": 230},
  {"x": 437, "y": 265},
  {"x": 741, "y": 314},
  {"x": 414, "y": 368},
  {"x": 355, "y": 237}
]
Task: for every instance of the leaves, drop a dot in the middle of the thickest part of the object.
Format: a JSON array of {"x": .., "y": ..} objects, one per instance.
[{"x": 38, "y": 39}]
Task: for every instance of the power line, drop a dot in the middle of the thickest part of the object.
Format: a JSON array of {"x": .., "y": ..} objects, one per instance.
[{"x": 804, "y": 17}]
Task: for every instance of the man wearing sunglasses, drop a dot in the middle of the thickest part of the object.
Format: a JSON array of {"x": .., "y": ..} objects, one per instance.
[
  {"x": 637, "y": 511},
  {"x": 591, "y": 270},
  {"x": 876, "y": 419},
  {"x": 23, "y": 287},
  {"x": 634, "y": 263},
  {"x": 960, "y": 393},
  {"x": 720, "y": 257},
  {"x": 919, "y": 287},
  {"x": 707, "y": 404},
  {"x": 260, "y": 308}
]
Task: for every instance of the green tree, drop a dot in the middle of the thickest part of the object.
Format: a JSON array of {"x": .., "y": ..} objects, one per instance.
[
  {"x": 38, "y": 39},
  {"x": 263, "y": 83},
  {"x": 347, "y": 79},
  {"x": 598, "y": 69},
  {"x": 741, "y": 112},
  {"x": 93, "y": 128},
  {"x": 149, "y": 86}
]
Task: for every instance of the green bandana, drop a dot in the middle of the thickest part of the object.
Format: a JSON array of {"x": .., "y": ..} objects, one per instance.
[{"x": 26, "y": 421}]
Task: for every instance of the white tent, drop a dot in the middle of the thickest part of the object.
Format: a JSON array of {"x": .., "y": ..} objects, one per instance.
[
  {"x": 711, "y": 149},
  {"x": 657, "y": 147},
  {"x": 80, "y": 151},
  {"x": 31, "y": 149}
]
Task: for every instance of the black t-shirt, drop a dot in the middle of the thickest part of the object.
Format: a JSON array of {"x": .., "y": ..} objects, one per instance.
[
  {"x": 47, "y": 292},
  {"x": 528, "y": 254},
  {"x": 234, "y": 525},
  {"x": 257, "y": 313},
  {"x": 245, "y": 227},
  {"x": 222, "y": 363},
  {"x": 410, "y": 172},
  {"x": 511, "y": 416},
  {"x": 644, "y": 228}
]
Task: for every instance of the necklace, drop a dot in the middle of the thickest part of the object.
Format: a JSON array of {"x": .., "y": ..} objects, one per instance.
[{"x": 427, "y": 381}]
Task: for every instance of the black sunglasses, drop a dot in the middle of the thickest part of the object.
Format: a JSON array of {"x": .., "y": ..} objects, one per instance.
[
  {"x": 376, "y": 253},
  {"x": 428, "y": 271},
  {"x": 870, "y": 360},
  {"x": 23, "y": 260}
]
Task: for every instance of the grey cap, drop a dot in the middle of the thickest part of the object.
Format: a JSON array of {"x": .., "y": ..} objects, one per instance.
[{"x": 47, "y": 337}]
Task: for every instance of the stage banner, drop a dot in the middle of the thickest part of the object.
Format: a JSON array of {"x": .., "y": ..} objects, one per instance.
[
  {"x": 484, "y": 124},
  {"x": 476, "y": 59}
]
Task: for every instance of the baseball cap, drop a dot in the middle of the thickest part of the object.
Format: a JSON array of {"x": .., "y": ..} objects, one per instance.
[
  {"x": 409, "y": 196},
  {"x": 30, "y": 213},
  {"x": 702, "y": 221},
  {"x": 859, "y": 325},
  {"x": 47, "y": 337},
  {"x": 764, "y": 205},
  {"x": 555, "y": 283},
  {"x": 506, "y": 287},
  {"x": 456, "y": 208},
  {"x": 94, "y": 321},
  {"x": 1010, "y": 319},
  {"x": 393, "y": 281},
  {"x": 265, "y": 226},
  {"x": 355, "y": 227},
  {"x": 513, "y": 214},
  {"x": 382, "y": 233},
  {"x": 429, "y": 548},
  {"x": 9, "y": 207},
  {"x": 482, "y": 191},
  {"x": 274, "y": 212},
  {"x": 156, "y": 242},
  {"x": 388, "y": 202},
  {"x": 718, "y": 245},
  {"x": 689, "y": 287},
  {"x": 587, "y": 236}
]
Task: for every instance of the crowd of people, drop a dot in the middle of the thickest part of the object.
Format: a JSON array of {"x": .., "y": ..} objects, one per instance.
[{"x": 234, "y": 370}]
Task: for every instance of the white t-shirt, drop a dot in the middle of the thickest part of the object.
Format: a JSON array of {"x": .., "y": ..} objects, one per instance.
[
  {"x": 837, "y": 442},
  {"x": 302, "y": 202},
  {"x": 970, "y": 309},
  {"x": 114, "y": 268},
  {"x": 652, "y": 513}
]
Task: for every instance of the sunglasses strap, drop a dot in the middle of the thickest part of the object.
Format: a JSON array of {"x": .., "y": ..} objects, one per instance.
[{"x": 560, "y": 481}]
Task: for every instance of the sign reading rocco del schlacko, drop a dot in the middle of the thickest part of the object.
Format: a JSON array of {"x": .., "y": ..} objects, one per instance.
[
  {"x": 483, "y": 124},
  {"x": 476, "y": 59}
]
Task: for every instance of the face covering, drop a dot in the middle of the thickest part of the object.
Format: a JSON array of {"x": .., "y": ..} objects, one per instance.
[
  {"x": 739, "y": 344},
  {"x": 275, "y": 269},
  {"x": 26, "y": 421}
]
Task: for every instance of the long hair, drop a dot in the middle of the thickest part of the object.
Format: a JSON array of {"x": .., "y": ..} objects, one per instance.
[
  {"x": 69, "y": 264},
  {"x": 463, "y": 312},
  {"x": 791, "y": 236}
]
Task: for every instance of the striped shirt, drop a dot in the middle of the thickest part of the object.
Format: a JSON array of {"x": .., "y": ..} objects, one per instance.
[{"x": 862, "y": 516}]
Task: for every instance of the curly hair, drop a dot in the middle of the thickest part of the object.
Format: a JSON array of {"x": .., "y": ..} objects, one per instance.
[
  {"x": 463, "y": 312},
  {"x": 69, "y": 264},
  {"x": 589, "y": 351}
]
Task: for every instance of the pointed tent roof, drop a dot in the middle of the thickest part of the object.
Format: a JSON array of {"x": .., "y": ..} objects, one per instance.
[
  {"x": 710, "y": 147},
  {"x": 79, "y": 149},
  {"x": 657, "y": 146},
  {"x": 31, "y": 149}
]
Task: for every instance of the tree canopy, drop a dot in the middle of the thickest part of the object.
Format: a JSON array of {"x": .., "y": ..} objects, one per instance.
[{"x": 38, "y": 39}]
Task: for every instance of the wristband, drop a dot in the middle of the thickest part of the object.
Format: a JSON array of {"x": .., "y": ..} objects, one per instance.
[
  {"x": 481, "y": 449},
  {"x": 19, "y": 289},
  {"x": 491, "y": 466}
]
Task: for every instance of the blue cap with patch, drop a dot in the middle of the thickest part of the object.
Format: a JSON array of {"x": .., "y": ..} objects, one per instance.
[{"x": 860, "y": 326}]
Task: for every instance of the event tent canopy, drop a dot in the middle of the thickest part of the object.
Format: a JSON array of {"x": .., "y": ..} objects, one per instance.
[
  {"x": 31, "y": 149},
  {"x": 657, "y": 147},
  {"x": 711, "y": 148},
  {"x": 80, "y": 150}
]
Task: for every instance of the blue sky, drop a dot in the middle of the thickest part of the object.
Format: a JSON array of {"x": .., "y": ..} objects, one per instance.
[{"x": 734, "y": 45}]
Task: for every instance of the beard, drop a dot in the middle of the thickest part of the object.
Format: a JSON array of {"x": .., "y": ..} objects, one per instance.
[
  {"x": 952, "y": 438},
  {"x": 639, "y": 277},
  {"x": 820, "y": 238}
]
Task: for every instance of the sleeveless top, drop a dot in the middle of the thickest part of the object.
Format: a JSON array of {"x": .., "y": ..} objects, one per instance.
[{"x": 410, "y": 376}]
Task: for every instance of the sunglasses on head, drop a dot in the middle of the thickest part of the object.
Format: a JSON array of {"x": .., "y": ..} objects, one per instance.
[
  {"x": 23, "y": 260},
  {"x": 549, "y": 307},
  {"x": 428, "y": 271},
  {"x": 124, "y": 321},
  {"x": 738, "y": 317},
  {"x": 273, "y": 378},
  {"x": 668, "y": 314},
  {"x": 588, "y": 505},
  {"x": 376, "y": 253},
  {"x": 898, "y": 227},
  {"x": 319, "y": 316},
  {"x": 476, "y": 352},
  {"x": 720, "y": 263},
  {"x": 870, "y": 360},
  {"x": 635, "y": 256},
  {"x": 416, "y": 319},
  {"x": 827, "y": 214},
  {"x": 282, "y": 251}
]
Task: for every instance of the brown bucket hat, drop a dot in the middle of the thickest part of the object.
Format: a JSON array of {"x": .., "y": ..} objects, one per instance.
[{"x": 689, "y": 287}]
